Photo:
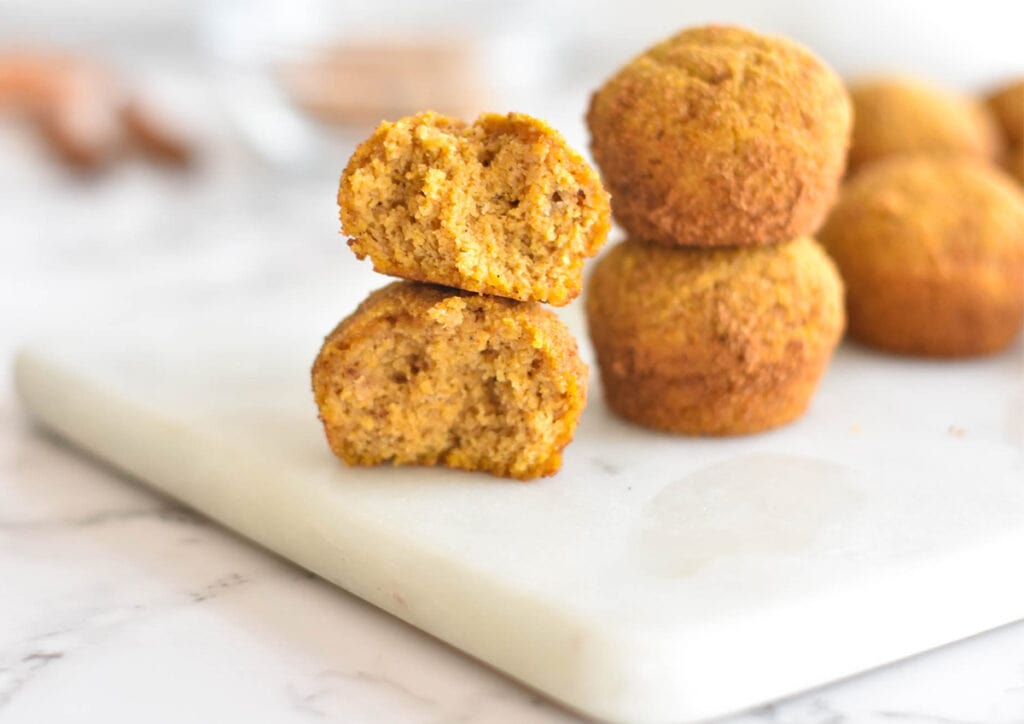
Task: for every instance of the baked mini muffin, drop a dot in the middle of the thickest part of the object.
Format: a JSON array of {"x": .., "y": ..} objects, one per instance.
[
  {"x": 426, "y": 375},
  {"x": 502, "y": 206},
  {"x": 1013, "y": 162},
  {"x": 720, "y": 136},
  {"x": 932, "y": 253},
  {"x": 713, "y": 341},
  {"x": 1007, "y": 105},
  {"x": 898, "y": 116}
]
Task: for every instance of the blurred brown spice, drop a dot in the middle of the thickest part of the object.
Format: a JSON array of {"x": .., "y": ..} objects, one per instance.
[
  {"x": 360, "y": 84},
  {"x": 84, "y": 112}
]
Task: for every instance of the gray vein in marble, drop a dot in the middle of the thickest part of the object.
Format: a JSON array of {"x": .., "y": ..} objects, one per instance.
[
  {"x": 815, "y": 711},
  {"x": 477, "y": 704},
  {"x": 27, "y": 659},
  {"x": 14, "y": 676},
  {"x": 224, "y": 583},
  {"x": 918, "y": 718},
  {"x": 324, "y": 693},
  {"x": 373, "y": 678},
  {"x": 168, "y": 513}
]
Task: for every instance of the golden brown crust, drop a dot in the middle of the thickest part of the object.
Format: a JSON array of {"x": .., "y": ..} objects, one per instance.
[
  {"x": 1013, "y": 162},
  {"x": 720, "y": 136},
  {"x": 427, "y": 375},
  {"x": 713, "y": 341},
  {"x": 1007, "y": 105},
  {"x": 932, "y": 253},
  {"x": 502, "y": 206},
  {"x": 894, "y": 116}
]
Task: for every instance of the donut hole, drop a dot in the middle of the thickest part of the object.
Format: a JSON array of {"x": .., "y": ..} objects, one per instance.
[
  {"x": 444, "y": 386},
  {"x": 501, "y": 206}
]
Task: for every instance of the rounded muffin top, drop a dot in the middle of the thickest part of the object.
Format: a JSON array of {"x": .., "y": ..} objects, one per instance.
[
  {"x": 721, "y": 136},
  {"x": 501, "y": 206},
  {"x": 894, "y": 116},
  {"x": 929, "y": 213},
  {"x": 1007, "y": 104}
]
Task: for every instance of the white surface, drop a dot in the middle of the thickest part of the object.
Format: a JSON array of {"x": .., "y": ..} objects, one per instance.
[
  {"x": 655, "y": 578},
  {"x": 119, "y": 606}
]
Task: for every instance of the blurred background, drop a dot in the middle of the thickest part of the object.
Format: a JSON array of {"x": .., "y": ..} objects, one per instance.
[{"x": 178, "y": 153}]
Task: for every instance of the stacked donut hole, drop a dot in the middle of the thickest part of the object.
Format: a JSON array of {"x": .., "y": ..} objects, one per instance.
[
  {"x": 460, "y": 364},
  {"x": 723, "y": 150},
  {"x": 928, "y": 232},
  {"x": 1006, "y": 103}
]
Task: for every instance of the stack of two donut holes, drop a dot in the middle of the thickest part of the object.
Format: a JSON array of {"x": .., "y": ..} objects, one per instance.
[
  {"x": 460, "y": 364},
  {"x": 928, "y": 232},
  {"x": 723, "y": 151}
]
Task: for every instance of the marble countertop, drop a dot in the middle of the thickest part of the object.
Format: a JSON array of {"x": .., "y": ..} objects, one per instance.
[{"x": 118, "y": 605}]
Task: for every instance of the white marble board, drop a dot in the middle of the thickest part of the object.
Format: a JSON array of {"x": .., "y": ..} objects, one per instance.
[{"x": 655, "y": 578}]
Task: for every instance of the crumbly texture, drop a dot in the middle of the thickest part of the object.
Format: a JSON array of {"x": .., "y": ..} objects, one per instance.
[
  {"x": 502, "y": 206},
  {"x": 713, "y": 341},
  {"x": 894, "y": 116},
  {"x": 932, "y": 253},
  {"x": 1007, "y": 105},
  {"x": 720, "y": 136},
  {"x": 425, "y": 375}
]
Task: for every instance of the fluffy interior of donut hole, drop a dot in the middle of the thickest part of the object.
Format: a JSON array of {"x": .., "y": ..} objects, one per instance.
[
  {"x": 489, "y": 204},
  {"x": 459, "y": 395}
]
